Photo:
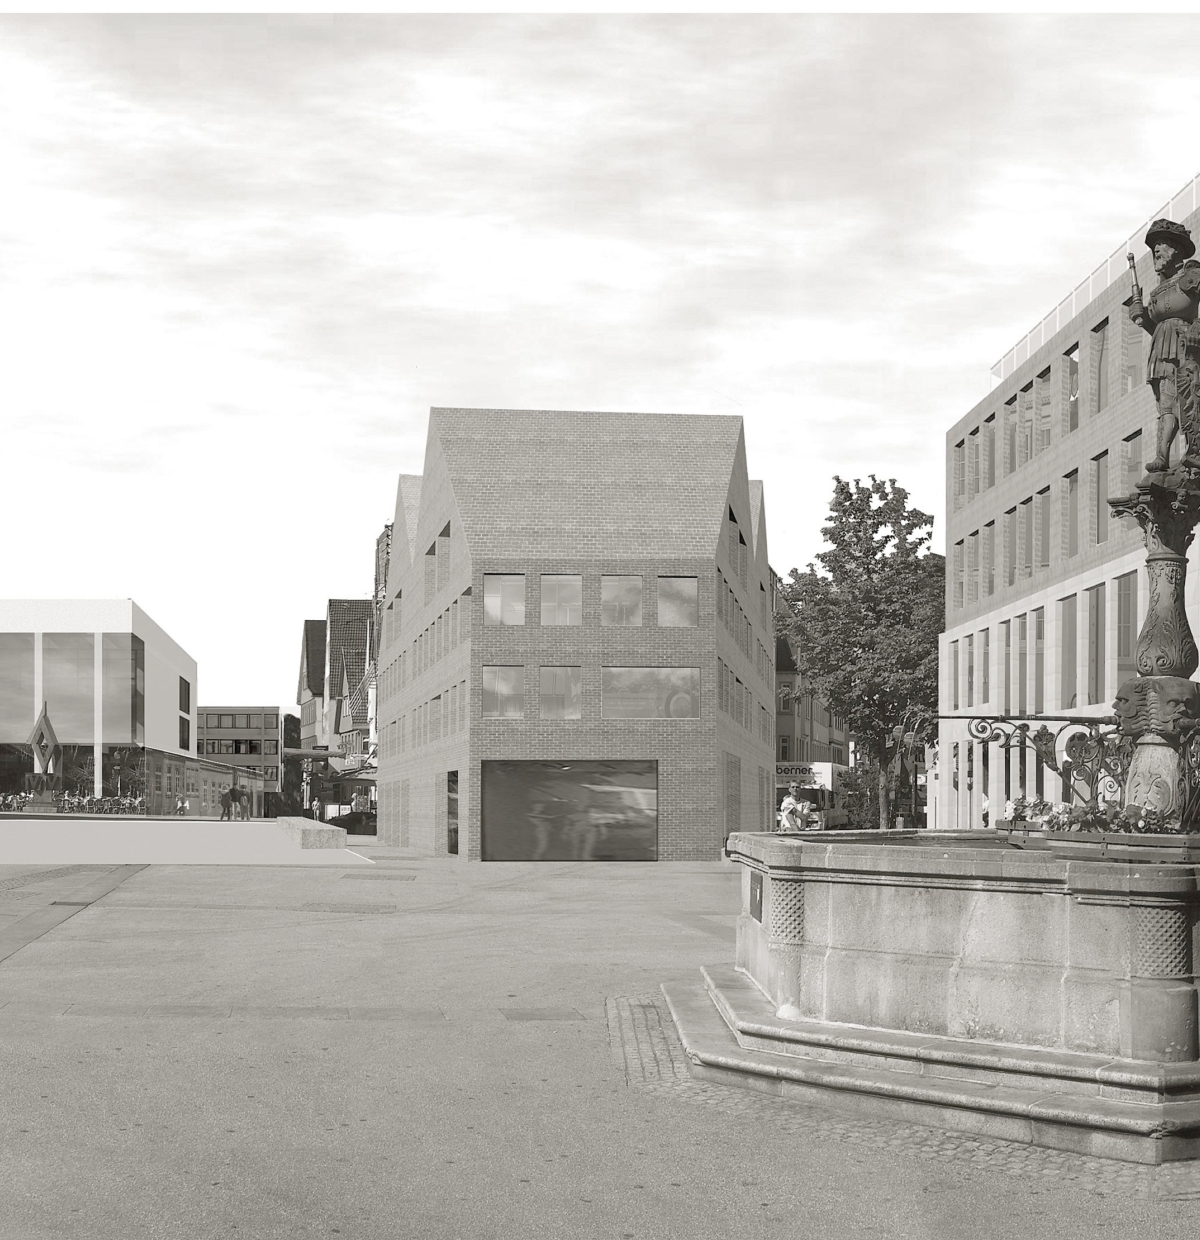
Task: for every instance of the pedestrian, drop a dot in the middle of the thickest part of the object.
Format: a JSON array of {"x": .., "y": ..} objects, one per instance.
[{"x": 226, "y": 805}]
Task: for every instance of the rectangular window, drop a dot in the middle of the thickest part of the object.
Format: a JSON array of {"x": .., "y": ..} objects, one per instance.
[
  {"x": 1025, "y": 408},
  {"x": 119, "y": 676},
  {"x": 1071, "y": 358},
  {"x": 954, "y": 675},
  {"x": 1039, "y": 661},
  {"x": 985, "y": 665},
  {"x": 503, "y": 692},
  {"x": 241, "y": 721},
  {"x": 18, "y": 709},
  {"x": 1101, "y": 496},
  {"x": 213, "y": 721},
  {"x": 560, "y": 693},
  {"x": 1096, "y": 626},
  {"x": 957, "y": 569},
  {"x": 973, "y": 463},
  {"x": 1133, "y": 459},
  {"x": 1070, "y": 695},
  {"x": 784, "y": 748},
  {"x": 620, "y": 601},
  {"x": 1127, "y": 602},
  {"x": 69, "y": 685},
  {"x": 185, "y": 733},
  {"x": 226, "y": 721},
  {"x": 650, "y": 692},
  {"x": 973, "y": 567},
  {"x": 1043, "y": 409},
  {"x": 1027, "y": 540},
  {"x": 678, "y": 602},
  {"x": 989, "y": 452},
  {"x": 270, "y": 747},
  {"x": 989, "y": 559},
  {"x": 504, "y": 598},
  {"x": 960, "y": 473},
  {"x": 1072, "y": 513},
  {"x": 970, "y": 653},
  {"x": 1100, "y": 366},
  {"x": 185, "y": 696},
  {"x": 1022, "y": 665},
  {"x": 562, "y": 599},
  {"x": 210, "y": 747},
  {"x": 1133, "y": 372},
  {"x": 1010, "y": 436},
  {"x": 1010, "y": 547},
  {"x": 256, "y": 721},
  {"x": 1006, "y": 639},
  {"x": 1043, "y": 528}
]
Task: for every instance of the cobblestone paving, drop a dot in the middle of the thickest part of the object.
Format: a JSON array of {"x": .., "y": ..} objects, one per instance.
[{"x": 644, "y": 1043}]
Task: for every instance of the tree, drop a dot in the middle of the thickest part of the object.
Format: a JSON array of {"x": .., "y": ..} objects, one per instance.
[{"x": 865, "y": 623}]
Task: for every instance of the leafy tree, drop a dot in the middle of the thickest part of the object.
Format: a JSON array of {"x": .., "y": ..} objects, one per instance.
[{"x": 865, "y": 623}]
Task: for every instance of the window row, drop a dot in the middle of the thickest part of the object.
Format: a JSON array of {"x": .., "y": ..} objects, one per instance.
[
  {"x": 737, "y": 701},
  {"x": 808, "y": 708},
  {"x": 1090, "y": 625},
  {"x": 795, "y": 749},
  {"x": 625, "y": 693},
  {"x": 210, "y": 720},
  {"x": 437, "y": 564},
  {"x": 991, "y": 557},
  {"x": 1113, "y": 360},
  {"x": 443, "y": 715},
  {"x": 447, "y": 631},
  {"x": 245, "y": 746},
  {"x": 677, "y": 600}
]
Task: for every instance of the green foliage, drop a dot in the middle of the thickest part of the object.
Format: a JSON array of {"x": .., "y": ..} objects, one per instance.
[
  {"x": 865, "y": 619},
  {"x": 860, "y": 796}
]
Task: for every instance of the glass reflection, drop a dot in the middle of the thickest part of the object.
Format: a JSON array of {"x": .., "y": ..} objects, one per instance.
[
  {"x": 678, "y": 603},
  {"x": 17, "y": 707},
  {"x": 620, "y": 601},
  {"x": 562, "y": 599},
  {"x": 561, "y": 692},
  {"x": 69, "y": 684},
  {"x": 650, "y": 692}
]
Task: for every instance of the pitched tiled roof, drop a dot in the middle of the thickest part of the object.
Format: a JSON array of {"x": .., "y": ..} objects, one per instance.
[
  {"x": 312, "y": 659},
  {"x": 556, "y": 483},
  {"x": 350, "y": 621},
  {"x": 785, "y": 661},
  {"x": 359, "y": 702}
]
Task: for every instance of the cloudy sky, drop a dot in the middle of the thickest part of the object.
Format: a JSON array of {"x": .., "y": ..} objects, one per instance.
[{"x": 241, "y": 257}]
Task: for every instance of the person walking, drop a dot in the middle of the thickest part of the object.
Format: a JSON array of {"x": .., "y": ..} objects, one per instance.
[{"x": 226, "y": 806}]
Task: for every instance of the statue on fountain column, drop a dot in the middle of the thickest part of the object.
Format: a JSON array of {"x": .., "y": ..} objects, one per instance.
[{"x": 1171, "y": 309}]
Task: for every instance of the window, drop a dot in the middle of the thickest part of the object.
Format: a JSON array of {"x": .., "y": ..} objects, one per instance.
[
  {"x": 185, "y": 696},
  {"x": 562, "y": 599},
  {"x": 973, "y": 487},
  {"x": 678, "y": 603},
  {"x": 68, "y": 686},
  {"x": 504, "y": 692},
  {"x": 650, "y": 692},
  {"x": 256, "y": 721},
  {"x": 504, "y": 598},
  {"x": 225, "y": 747},
  {"x": 973, "y": 567},
  {"x": 969, "y": 642},
  {"x": 1025, "y": 406},
  {"x": 954, "y": 675},
  {"x": 241, "y": 721},
  {"x": 270, "y": 721},
  {"x": 989, "y": 452},
  {"x": 1039, "y": 660},
  {"x": 560, "y": 692},
  {"x": 1127, "y": 602},
  {"x": 621, "y": 601},
  {"x": 1006, "y": 637},
  {"x": 226, "y": 721},
  {"x": 1095, "y": 685},
  {"x": 1133, "y": 459},
  {"x": 1043, "y": 406},
  {"x": 1022, "y": 665},
  {"x": 210, "y": 746},
  {"x": 214, "y": 721},
  {"x": 1071, "y": 358},
  {"x": 1100, "y": 492},
  {"x": 1133, "y": 372},
  {"x": 1070, "y": 696},
  {"x": 1072, "y": 522},
  {"x": 270, "y": 747},
  {"x": 1100, "y": 366},
  {"x": 1043, "y": 522},
  {"x": 1026, "y": 511},
  {"x": 957, "y": 568},
  {"x": 1010, "y": 547},
  {"x": 989, "y": 558},
  {"x": 785, "y": 699},
  {"x": 185, "y": 733},
  {"x": 784, "y": 748},
  {"x": 985, "y": 660},
  {"x": 1010, "y": 435},
  {"x": 960, "y": 473},
  {"x": 272, "y": 772}
]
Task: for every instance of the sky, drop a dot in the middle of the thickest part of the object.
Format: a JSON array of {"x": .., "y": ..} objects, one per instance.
[{"x": 241, "y": 257}]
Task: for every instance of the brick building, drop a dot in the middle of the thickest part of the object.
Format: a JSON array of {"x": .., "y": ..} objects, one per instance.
[
  {"x": 576, "y": 650},
  {"x": 1045, "y": 590}
]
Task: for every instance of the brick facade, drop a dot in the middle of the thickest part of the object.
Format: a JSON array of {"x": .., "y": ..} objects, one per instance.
[{"x": 587, "y": 494}]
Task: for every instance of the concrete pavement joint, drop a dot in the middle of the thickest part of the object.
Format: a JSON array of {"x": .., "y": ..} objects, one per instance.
[{"x": 644, "y": 1042}]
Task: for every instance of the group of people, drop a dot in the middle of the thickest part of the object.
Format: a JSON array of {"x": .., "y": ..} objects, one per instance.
[{"x": 72, "y": 803}]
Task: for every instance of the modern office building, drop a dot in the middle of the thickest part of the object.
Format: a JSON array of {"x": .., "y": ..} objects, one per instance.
[
  {"x": 1045, "y": 590},
  {"x": 119, "y": 694},
  {"x": 249, "y": 739},
  {"x": 577, "y": 647}
]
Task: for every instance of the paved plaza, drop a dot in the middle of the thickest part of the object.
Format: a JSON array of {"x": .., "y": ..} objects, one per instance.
[{"x": 434, "y": 1050}]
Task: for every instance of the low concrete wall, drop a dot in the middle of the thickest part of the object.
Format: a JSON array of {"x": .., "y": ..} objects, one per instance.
[
  {"x": 970, "y": 939},
  {"x": 310, "y": 834}
]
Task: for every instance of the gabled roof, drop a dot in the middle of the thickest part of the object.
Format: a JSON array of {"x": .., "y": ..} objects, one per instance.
[
  {"x": 312, "y": 660},
  {"x": 554, "y": 483},
  {"x": 785, "y": 660},
  {"x": 350, "y": 622}
]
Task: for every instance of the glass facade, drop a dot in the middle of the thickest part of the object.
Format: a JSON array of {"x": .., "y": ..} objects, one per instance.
[
  {"x": 504, "y": 598},
  {"x": 18, "y": 710},
  {"x": 650, "y": 692},
  {"x": 123, "y": 702},
  {"x": 560, "y": 692},
  {"x": 69, "y": 685},
  {"x": 562, "y": 599},
  {"x": 503, "y": 693}
]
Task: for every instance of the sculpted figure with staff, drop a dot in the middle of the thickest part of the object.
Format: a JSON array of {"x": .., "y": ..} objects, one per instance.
[{"x": 1168, "y": 316}]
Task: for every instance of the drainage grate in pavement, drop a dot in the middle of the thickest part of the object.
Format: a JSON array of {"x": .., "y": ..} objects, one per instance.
[
  {"x": 72, "y": 903},
  {"x": 541, "y": 1014},
  {"x": 347, "y": 908}
]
